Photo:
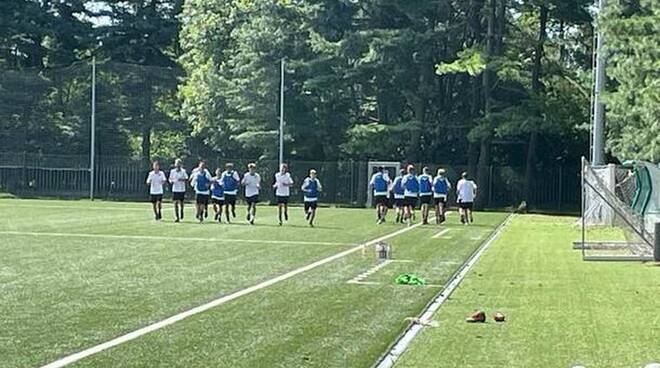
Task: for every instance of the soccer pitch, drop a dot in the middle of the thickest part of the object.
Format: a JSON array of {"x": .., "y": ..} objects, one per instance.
[
  {"x": 77, "y": 274},
  {"x": 561, "y": 311}
]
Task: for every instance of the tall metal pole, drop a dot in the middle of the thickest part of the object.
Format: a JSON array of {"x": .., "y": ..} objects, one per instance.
[
  {"x": 598, "y": 152},
  {"x": 282, "y": 112},
  {"x": 92, "y": 145}
]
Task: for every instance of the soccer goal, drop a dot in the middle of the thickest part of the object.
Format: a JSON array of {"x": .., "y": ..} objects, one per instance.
[
  {"x": 619, "y": 212},
  {"x": 392, "y": 169}
]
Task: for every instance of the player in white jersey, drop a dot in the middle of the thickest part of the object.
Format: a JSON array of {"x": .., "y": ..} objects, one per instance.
[
  {"x": 178, "y": 179},
  {"x": 252, "y": 183},
  {"x": 283, "y": 184},
  {"x": 466, "y": 191},
  {"x": 156, "y": 180}
]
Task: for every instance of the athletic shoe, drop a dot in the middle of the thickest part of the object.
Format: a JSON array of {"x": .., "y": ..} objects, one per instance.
[
  {"x": 471, "y": 218},
  {"x": 499, "y": 317},
  {"x": 307, "y": 215},
  {"x": 476, "y": 317},
  {"x": 233, "y": 212},
  {"x": 206, "y": 213},
  {"x": 280, "y": 223},
  {"x": 247, "y": 218},
  {"x": 286, "y": 216},
  {"x": 252, "y": 222},
  {"x": 177, "y": 220}
]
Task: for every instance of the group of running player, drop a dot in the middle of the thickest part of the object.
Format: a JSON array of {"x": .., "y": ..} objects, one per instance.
[
  {"x": 222, "y": 190},
  {"x": 408, "y": 188}
]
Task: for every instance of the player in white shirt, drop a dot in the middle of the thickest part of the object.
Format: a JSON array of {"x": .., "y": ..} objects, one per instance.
[
  {"x": 466, "y": 191},
  {"x": 156, "y": 180},
  {"x": 252, "y": 183},
  {"x": 201, "y": 182},
  {"x": 178, "y": 179},
  {"x": 283, "y": 184}
]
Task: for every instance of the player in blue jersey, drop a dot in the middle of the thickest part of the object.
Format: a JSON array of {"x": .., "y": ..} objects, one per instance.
[
  {"x": 425, "y": 193},
  {"x": 398, "y": 194},
  {"x": 230, "y": 180},
  {"x": 201, "y": 182},
  {"x": 441, "y": 187},
  {"x": 217, "y": 194},
  {"x": 311, "y": 188},
  {"x": 411, "y": 193},
  {"x": 380, "y": 183}
]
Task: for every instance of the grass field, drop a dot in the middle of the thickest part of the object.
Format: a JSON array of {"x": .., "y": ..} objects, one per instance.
[
  {"x": 77, "y": 274},
  {"x": 561, "y": 311}
]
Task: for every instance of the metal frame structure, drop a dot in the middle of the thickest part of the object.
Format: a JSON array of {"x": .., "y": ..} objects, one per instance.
[{"x": 639, "y": 251}]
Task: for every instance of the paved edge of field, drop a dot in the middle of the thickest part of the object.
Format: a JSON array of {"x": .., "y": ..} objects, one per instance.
[
  {"x": 64, "y": 361},
  {"x": 403, "y": 341}
]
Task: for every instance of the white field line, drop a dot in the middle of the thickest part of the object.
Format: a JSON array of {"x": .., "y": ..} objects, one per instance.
[
  {"x": 441, "y": 233},
  {"x": 164, "y": 238},
  {"x": 62, "y": 362},
  {"x": 401, "y": 345}
]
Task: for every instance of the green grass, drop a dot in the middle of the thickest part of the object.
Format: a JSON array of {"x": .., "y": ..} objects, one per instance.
[
  {"x": 60, "y": 294},
  {"x": 561, "y": 311}
]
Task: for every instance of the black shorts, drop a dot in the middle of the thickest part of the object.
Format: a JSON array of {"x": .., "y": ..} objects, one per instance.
[
  {"x": 399, "y": 202},
  {"x": 380, "y": 199},
  {"x": 426, "y": 199},
  {"x": 282, "y": 199},
  {"x": 217, "y": 201},
  {"x": 252, "y": 199},
  {"x": 411, "y": 201},
  {"x": 439, "y": 200},
  {"x": 203, "y": 199},
  {"x": 156, "y": 198},
  {"x": 230, "y": 199},
  {"x": 311, "y": 205},
  {"x": 178, "y": 196},
  {"x": 466, "y": 205}
]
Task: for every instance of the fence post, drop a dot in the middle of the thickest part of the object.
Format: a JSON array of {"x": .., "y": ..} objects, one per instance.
[
  {"x": 561, "y": 188},
  {"x": 490, "y": 186},
  {"x": 656, "y": 250}
]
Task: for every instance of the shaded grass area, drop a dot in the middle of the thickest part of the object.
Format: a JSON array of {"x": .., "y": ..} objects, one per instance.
[{"x": 561, "y": 311}]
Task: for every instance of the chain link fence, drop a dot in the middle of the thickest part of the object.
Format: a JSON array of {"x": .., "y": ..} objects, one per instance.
[{"x": 345, "y": 183}]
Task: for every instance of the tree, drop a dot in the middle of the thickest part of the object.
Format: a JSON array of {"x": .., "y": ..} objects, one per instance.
[{"x": 632, "y": 36}]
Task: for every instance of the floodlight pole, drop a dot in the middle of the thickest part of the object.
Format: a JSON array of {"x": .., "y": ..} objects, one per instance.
[
  {"x": 281, "y": 145},
  {"x": 598, "y": 149},
  {"x": 92, "y": 148}
]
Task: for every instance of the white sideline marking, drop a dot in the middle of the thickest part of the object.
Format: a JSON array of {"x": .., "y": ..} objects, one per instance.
[
  {"x": 212, "y": 304},
  {"x": 401, "y": 344},
  {"x": 150, "y": 237},
  {"x": 441, "y": 233}
]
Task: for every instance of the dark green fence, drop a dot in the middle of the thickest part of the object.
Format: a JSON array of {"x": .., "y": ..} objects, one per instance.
[{"x": 345, "y": 182}]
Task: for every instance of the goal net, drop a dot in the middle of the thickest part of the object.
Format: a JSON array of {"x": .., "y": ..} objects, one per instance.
[{"x": 615, "y": 201}]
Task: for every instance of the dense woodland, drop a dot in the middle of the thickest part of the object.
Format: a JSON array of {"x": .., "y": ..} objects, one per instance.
[{"x": 469, "y": 82}]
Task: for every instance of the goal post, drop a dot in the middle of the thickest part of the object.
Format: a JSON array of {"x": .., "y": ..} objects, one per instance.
[
  {"x": 612, "y": 227},
  {"x": 391, "y": 167}
]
